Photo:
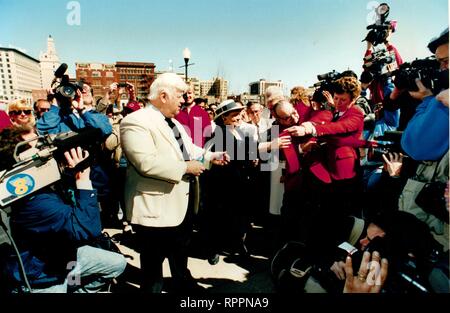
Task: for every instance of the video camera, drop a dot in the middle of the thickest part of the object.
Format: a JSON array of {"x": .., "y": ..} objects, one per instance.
[
  {"x": 407, "y": 273},
  {"x": 326, "y": 83},
  {"x": 379, "y": 30},
  {"x": 378, "y": 63},
  {"x": 388, "y": 143},
  {"x": 427, "y": 70},
  {"x": 45, "y": 166},
  {"x": 64, "y": 90}
]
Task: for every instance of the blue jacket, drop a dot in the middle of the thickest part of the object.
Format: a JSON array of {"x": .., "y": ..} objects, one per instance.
[
  {"x": 426, "y": 136},
  {"x": 48, "y": 231},
  {"x": 55, "y": 122}
]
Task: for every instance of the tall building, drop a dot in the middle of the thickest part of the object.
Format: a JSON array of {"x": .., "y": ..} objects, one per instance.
[
  {"x": 140, "y": 74},
  {"x": 19, "y": 75},
  {"x": 49, "y": 63},
  {"x": 216, "y": 88},
  {"x": 259, "y": 88},
  {"x": 99, "y": 76},
  {"x": 196, "y": 84}
]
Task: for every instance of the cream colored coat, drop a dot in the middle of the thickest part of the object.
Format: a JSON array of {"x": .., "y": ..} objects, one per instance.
[{"x": 156, "y": 194}]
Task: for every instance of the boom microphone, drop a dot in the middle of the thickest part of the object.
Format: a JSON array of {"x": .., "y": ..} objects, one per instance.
[{"x": 61, "y": 70}]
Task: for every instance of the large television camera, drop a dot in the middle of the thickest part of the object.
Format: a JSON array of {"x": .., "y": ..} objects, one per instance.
[
  {"x": 427, "y": 70},
  {"x": 40, "y": 167},
  {"x": 326, "y": 83},
  {"x": 380, "y": 63},
  {"x": 379, "y": 31},
  {"x": 63, "y": 89}
]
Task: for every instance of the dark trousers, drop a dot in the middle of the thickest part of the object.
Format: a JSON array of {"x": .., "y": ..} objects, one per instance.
[{"x": 158, "y": 243}]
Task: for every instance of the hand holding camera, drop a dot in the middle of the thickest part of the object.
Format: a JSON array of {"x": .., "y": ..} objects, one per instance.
[
  {"x": 77, "y": 102},
  {"x": 371, "y": 276},
  {"x": 422, "y": 91},
  {"x": 74, "y": 157},
  {"x": 126, "y": 88}
]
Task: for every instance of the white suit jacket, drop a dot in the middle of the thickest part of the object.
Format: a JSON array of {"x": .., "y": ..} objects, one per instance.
[{"x": 156, "y": 194}]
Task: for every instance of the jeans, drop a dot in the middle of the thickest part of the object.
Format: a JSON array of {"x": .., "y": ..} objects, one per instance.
[{"x": 93, "y": 269}]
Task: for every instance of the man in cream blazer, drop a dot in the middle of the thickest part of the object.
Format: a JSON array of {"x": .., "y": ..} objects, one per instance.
[{"x": 157, "y": 183}]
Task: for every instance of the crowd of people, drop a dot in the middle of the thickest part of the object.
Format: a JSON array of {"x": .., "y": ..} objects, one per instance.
[{"x": 174, "y": 163}]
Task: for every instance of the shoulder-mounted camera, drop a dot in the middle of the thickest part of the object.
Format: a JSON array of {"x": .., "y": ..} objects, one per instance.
[{"x": 44, "y": 165}]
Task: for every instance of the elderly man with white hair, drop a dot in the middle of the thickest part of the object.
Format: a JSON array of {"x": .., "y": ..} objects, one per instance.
[{"x": 160, "y": 184}]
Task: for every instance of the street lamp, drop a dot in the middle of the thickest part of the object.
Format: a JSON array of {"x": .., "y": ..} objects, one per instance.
[{"x": 186, "y": 56}]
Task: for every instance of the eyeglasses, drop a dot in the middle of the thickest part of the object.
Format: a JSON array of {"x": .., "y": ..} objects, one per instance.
[
  {"x": 43, "y": 110},
  {"x": 19, "y": 112},
  {"x": 287, "y": 118}
]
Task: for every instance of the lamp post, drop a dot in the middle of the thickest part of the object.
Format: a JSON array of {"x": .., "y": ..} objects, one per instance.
[{"x": 186, "y": 56}]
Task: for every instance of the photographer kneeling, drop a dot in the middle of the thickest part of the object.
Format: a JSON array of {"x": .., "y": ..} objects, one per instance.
[
  {"x": 53, "y": 229},
  {"x": 395, "y": 236}
]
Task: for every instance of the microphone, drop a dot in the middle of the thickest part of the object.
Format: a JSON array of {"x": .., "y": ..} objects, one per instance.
[{"x": 61, "y": 70}]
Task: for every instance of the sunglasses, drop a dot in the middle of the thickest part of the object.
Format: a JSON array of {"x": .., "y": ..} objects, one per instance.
[
  {"x": 19, "y": 112},
  {"x": 43, "y": 110}
]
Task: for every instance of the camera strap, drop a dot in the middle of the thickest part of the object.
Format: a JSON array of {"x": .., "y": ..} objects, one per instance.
[{"x": 357, "y": 230}]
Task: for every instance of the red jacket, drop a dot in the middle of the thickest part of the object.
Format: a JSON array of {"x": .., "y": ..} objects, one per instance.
[
  {"x": 195, "y": 122},
  {"x": 315, "y": 160},
  {"x": 341, "y": 158},
  {"x": 5, "y": 121},
  {"x": 304, "y": 111}
]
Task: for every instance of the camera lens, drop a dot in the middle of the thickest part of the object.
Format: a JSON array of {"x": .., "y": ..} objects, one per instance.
[{"x": 68, "y": 91}]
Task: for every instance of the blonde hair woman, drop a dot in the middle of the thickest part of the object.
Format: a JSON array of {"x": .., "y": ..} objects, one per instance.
[
  {"x": 22, "y": 118},
  {"x": 21, "y": 114}
]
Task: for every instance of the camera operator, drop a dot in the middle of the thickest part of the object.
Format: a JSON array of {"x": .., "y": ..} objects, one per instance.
[
  {"x": 426, "y": 140},
  {"x": 429, "y": 126},
  {"x": 381, "y": 86},
  {"x": 73, "y": 116},
  {"x": 396, "y": 236},
  {"x": 74, "y": 111},
  {"x": 54, "y": 230},
  {"x": 113, "y": 94}
]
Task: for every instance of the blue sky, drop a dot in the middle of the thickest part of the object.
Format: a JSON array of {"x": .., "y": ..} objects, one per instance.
[{"x": 241, "y": 40}]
